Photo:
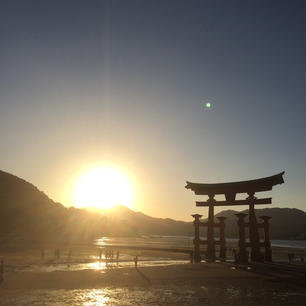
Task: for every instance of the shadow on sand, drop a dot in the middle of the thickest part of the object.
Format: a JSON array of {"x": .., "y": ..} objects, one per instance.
[{"x": 142, "y": 275}]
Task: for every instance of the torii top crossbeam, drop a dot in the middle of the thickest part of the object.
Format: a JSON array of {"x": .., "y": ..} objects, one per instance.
[{"x": 230, "y": 189}]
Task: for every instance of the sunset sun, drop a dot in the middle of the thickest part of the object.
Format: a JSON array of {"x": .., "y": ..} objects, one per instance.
[{"x": 103, "y": 187}]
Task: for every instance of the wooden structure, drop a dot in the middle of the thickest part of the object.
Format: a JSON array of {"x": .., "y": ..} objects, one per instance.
[
  {"x": 197, "y": 241},
  {"x": 229, "y": 190},
  {"x": 243, "y": 244}
]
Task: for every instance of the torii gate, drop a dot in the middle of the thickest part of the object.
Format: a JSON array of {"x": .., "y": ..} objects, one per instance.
[{"x": 230, "y": 190}]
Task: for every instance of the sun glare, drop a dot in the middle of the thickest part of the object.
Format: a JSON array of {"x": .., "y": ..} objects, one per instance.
[{"x": 103, "y": 187}]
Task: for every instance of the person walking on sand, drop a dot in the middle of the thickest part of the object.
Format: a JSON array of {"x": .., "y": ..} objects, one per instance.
[
  {"x": 1, "y": 271},
  {"x": 57, "y": 253},
  {"x": 117, "y": 257},
  {"x": 136, "y": 261},
  {"x": 235, "y": 256},
  {"x": 42, "y": 253},
  {"x": 191, "y": 257}
]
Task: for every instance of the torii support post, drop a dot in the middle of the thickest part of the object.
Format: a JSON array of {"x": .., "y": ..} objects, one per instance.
[
  {"x": 242, "y": 255},
  {"x": 267, "y": 242},
  {"x": 211, "y": 251},
  {"x": 196, "y": 241},
  {"x": 222, "y": 238},
  {"x": 256, "y": 255}
]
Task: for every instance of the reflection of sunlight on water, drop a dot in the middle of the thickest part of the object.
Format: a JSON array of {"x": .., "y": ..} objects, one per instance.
[
  {"x": 165, "y": 294},
  {"x": 102, "y": 241},
  {"x": 97, "y": 265},
  {"x": 95, "y": 297}
]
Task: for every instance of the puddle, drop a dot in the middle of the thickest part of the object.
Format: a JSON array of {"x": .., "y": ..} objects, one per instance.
[{"x": 171, "y": 295}]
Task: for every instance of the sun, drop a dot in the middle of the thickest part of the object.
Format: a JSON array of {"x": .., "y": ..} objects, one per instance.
[{"x": 103, "y": 187}]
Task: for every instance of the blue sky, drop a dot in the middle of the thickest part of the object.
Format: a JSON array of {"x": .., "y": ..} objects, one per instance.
[{"x": 85, "y": 82}]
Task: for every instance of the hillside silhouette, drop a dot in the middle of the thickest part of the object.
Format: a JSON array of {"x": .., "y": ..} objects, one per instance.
[{"x": 28, "y": 213}]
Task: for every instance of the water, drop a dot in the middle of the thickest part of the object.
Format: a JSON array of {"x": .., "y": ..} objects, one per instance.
[
  {"x": 296, "y": 244},
  {"x": 87, "y": 257},
  {"x": 95, "y": 265},
  {"x": 179, "y": 242},
  {"x": 182, "y": 242},
  {"x": 280, "y": 248}
]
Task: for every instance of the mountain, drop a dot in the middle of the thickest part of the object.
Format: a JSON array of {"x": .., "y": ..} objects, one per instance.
[
  {"x": 286, "y": 223},
  {"x": 120, "y": 218},
  {"x": 28, "y": 213}
]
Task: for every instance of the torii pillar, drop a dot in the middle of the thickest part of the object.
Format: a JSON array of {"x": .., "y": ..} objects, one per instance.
[
  {"x": 256, "y": 255},
  {"x": 267, "y": 242},
  {"x": 242, "y": 255},
  {"x": 196, "y": 241},
  {"x": 211, "y": 250},
  {"x": 222, "y": 238}
]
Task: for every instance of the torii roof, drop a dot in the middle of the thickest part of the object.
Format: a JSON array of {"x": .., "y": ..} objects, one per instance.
[{"x": 262, "y": 184}]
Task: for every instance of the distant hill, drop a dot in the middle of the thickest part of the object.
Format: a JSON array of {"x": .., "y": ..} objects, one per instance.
[
  {"x": 286, "y": 223},
  {"x": 28, "y": 213},
  {"x": 120, "y": 218}
]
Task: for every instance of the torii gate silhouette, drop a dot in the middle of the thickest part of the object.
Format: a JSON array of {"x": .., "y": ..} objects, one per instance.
[{"x": 230, "y": 190}]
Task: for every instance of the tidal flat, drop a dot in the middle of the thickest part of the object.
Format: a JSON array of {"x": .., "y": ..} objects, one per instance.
[
  {"x": 82, "y": 275},
  {"x": 184, "y": 284}
]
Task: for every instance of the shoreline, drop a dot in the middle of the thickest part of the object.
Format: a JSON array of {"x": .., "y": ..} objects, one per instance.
[{"x": 33, "y": 257}]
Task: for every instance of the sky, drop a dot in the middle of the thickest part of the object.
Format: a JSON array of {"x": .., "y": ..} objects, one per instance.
[{"x": 84, "y": 83}]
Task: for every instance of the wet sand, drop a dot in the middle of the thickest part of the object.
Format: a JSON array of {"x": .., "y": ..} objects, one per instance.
[
  {"x": 176, "y": 274},
  {"x": 187, "y": 284}
]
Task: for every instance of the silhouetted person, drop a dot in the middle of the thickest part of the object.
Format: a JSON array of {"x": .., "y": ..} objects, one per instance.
[
  {"x": 69, "y": 253},
  {"x": 136, "y": 261},
  {"x": 117, "y": 257},
  {"x": 291, "y": 257},
  {"x": 191, "y": 257},
  {"x": 1, "y": 271},
  {"x": 100, "y": 254},
  {"x": 57, "y": 253},
  {"x": 235, "y": 255}
]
